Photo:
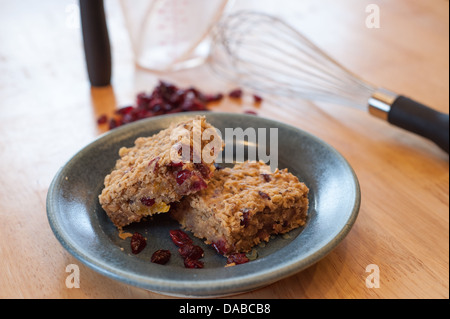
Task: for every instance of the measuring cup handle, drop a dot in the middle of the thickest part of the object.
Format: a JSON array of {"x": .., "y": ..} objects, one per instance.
[{"x": 96, "y": 42}]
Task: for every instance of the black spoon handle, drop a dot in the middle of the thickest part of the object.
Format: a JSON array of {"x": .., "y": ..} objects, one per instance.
[{"x": 96, "y": 42}]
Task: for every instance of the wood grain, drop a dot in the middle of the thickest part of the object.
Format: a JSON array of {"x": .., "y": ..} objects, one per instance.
[{"x": 48, "y": 112}]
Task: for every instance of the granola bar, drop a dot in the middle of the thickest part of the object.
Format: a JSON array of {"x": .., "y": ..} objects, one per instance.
[
  {"x": 160, "y": 170},
  {"x": 243, "y": 206}
]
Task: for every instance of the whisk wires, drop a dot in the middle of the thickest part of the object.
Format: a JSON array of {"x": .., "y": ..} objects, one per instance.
[{"x": 264, "y": 53}]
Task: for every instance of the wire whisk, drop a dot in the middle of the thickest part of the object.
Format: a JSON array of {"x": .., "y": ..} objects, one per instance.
[{"x": 263, "y": 53}]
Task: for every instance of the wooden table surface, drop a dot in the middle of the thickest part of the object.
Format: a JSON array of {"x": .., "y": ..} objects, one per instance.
[{"x": 48, "y": 112}]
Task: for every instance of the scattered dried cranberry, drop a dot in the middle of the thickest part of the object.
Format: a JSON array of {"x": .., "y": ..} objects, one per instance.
[
  {"x": 237, "y": 258},
  {"x": 147, "y": 201},
  {"x": 128, "y": 118},
  {"x": 213, "y": 97},
  {"x": 192, "y": 103},
  {"x": 199, "y": 184},
  {"x": 165, "y": 98},
  {"x": 179, "y": 237},
  {"x": 191, "y": 251},
  {"x": 266, "y": 177},
  {"x": 235, "y": 94},
  {"x": 257, "y": 99},
  {"x": 138, "y": 243},
  {"x": 264, "y": 195},
  {"x": 182, "y": 176},
  {"x": 124, "y": 110},
  {"x": 102, "y": 119},
  {"x": 113, "y": 123},
  {"x": 175, "y": 164},
  {"x": 193, "y": 263},
  {"x": 220, "y": 246},
  {"x": 143, "y": 99},
  {"x": 203, "y": 169},
  {"x": 161, "y": 256}
]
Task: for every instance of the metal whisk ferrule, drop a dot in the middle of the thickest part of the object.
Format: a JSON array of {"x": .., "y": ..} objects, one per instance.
[{"x": 380, "y": 103}]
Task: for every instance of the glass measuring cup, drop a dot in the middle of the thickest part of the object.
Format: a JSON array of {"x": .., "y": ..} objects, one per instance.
[{"x": 169, "y": 35}]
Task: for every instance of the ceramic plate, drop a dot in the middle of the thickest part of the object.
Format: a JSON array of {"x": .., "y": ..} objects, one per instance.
[{"x": 82, "y": 227}]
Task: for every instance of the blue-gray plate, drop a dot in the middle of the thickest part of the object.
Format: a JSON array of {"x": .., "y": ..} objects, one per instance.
[{"x": 82, "y": 227}]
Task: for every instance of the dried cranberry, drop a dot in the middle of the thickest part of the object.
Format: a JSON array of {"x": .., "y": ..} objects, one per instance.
[
  {"x": 220, "y": 246},
  {"x": 193, "y": 91},
  {"x": 192, "y": 104},
  {"x": 177, "y": 97},
  {"x": 189, "y": 95},
  {"x": 155, "y": 104},
  {"x": 166, "y": 89},
  {"x": 183, "y": 175},
  {"x": 161, "y": 256},
  {"x": 128, "y": 118},
  {"x": 193, "y": 263},
  {"x": 141, "y": 113},
  {"x": 198, "y": 185},
  {"x": 157, "y": 109},
  {"x": 266, "y": 177},
  {"x": 125, "y": 110},
  {"x": 113, "y": 123},
  {"x": 191, "y": 251},
  {"x": 245, "y": 217},
  {"x": 237, "y": 258},
  {"x": 147, "y": 201},
  {"x": 102, "y": 119},
  {"x": 138, "y": 243},
  {"x": 257, "y": 99},
  {"x": 167, "y": 107},
  {"x": 143, "y": 99},
  {"x": 179, "y": 237},
  {"x": 209, "y": 98},
  {"x": 235, "y": 94},
  {"x": 203, "y": 169},
  {"x": 175, "y": 164},
  {"x": 264, "y": 195}
]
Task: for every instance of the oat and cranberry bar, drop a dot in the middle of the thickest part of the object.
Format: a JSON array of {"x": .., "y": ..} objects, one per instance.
[
  {"x": 243, "y": 206},
  {"x": 160, "y": 170}
]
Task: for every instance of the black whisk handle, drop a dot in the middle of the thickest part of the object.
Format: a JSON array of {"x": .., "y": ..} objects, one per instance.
[{"x": 420, "y": 119}]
